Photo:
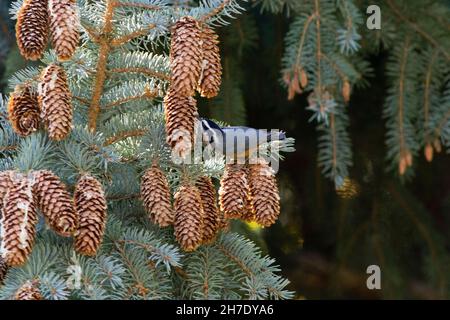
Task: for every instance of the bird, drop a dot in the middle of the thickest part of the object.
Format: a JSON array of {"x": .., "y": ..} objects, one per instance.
[{"x": 236, "y": 141}]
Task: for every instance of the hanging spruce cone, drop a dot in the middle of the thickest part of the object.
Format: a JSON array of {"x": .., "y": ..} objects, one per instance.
[
  {"x": 18, "y": 222},
  {"x": 209, "y": 85},
  {"x": 181, "y": 114},
  {"x": 186, "y": 56},
  {"x": 23, "y": 111},
  {"x": 3, "y": 270},
  {"x": 265, "y": 198},
  {"x": 29, "y": 291},
  {"x": 55, "y": 203},
  {"x": 32, "y": 28},
  {"x": 188, "y": 224},
  {"x": 55, "y": 102},
  {"x": 234, "y": 191},
  {"x": 211, "y": 212},
  {"x": 90, "y": 203},
  {"x": 5, "y": 186},
  {"x": 155, "y": 193},
  {"x": 64, "y": 27}
]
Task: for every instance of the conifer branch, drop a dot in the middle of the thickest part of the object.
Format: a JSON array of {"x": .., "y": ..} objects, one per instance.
[
  {"x": 333, "y": 143},
  {"x": 137, "y": 5},
  {"x": 318, "y": 54},
  {"x": 94, "y": 108},
  {"x": 148, "y": 94},
  {"x": 124, "y": 39},
  {"x": 235, "y": 259},
  {"x": 426, "y": 103},
  {"x": 216, "y": 11},
  {"x": 124, "y": 197},
  {"x": 335, "y": 67},
  {"x": 401, "y": 84},
  {"x": 419, "y": 30},
  {"x": 302, "y": 40},
  {"x": 8, "y": 148},
  {"x": 145, "y": 71},
  {"x": 442, "y": 124},
  {"x": 93, "y": 35},
  {"x": 82, "y": 100},
  {"x": 124, "y": 135}
]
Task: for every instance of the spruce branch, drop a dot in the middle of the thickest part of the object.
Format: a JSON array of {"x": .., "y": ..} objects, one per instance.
[
  {"x": 124, "y": 135},
  {"x": 145, "y": 71},
  {"x": 215, "y": 11},
  {"x": 418, "y": 29},
  {"x": 427, "y": 92},
  {"x": 138, "y": 5},
  {"x": 104, "y": 51},
  {"x": 135, "y": 34}
]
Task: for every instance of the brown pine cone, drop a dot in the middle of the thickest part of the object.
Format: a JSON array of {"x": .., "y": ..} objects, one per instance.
[
  {"x": 155, "y": 193},
  {"x": 29, "y": 291},
  {"x": 55, "y": 101},
  {"x": 64, "y": 27},
  {"x": 90, "y": 203},
  {"x": 211, "y": 212},
  {"x": 32, "y": 28},
  {"x": 18, "y": 221},
  {"x": 3, "y": 270},
  {"x": 55, "y": 203},
  {"x": 211, "y": 77},
  {"x": 180, "y": 114},
  {"x": 265, "y": 197},
  {"x": 234, "y": 191},
  {"x": 5, "y": 186},
  {"x": 185, "y": 56},
  {"x": 23, "y": 111},
  {"x": 188, "y": 224}
]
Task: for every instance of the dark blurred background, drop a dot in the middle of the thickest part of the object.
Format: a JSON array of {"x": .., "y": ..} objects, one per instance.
[{"x": 325, "y": 239}]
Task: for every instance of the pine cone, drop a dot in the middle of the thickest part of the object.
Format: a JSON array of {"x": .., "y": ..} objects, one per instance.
[
  {"x": 55, "y": 102},
  {"x": 29, "y": 291},
  {"x": 210, "y": 81},
  {"x": 224, "y": 223},
  {"x": 188, "y": 224},
  {"x": 64, "y": 27},
  {"x": 18, "y": 222},
  {"x": 23, "y": 111},
  {"x": 55, "y": 203},
  {"x": 265, "y": 198},
  {"x": 3, "y": 270},
  {"x": 5, "y": 186},
  {"x": 155, "y": 193},
  {"x": 234, "y": 191},
  {"x": 181, "y": 114},
  {"x": 32, "y": 28},
  {"x": 211, "y": 212},
  {"x": 90, "y": 203},
  {"x": 186, "y": 56}
]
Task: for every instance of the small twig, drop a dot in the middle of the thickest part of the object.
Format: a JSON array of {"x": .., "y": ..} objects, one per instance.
[
  {"x": 92, "y": 34},
  {"x": 82, "y": 100},
  {"x": 7, "y": 148},
  {"x": 124, "y": 39},
  {"x": 124, "y": 135},
  {"x": 124, "y": 197},
  {"x": 146, "y": 94},
  {"x": 216, "y": 11},
  {"x": 137, "y": 5},
  {"x": 146, "y": 71}
]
